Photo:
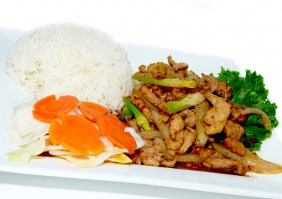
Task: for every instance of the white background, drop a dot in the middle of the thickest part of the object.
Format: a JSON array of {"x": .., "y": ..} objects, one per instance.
[{"x": 246, "y": 31}]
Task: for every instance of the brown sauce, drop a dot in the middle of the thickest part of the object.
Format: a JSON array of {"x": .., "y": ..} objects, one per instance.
[{"x": 199, "y": 167}]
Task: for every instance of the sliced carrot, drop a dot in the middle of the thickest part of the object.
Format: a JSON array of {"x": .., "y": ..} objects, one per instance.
[
  {"x": 65, "y": 104},
  {"x": 115, "y": 132},
  {"x": 43, "y": 102},
  {"x": 49, "y": 108},
  {"x": 44, "y": 115},
  {"x": 92, "y": 111},
  {"x": 74, "y": 148},
  {"x": 94, "y": 145},
  {"x": 77, "y": 134},
  {"x": 69, "y": 103},
  {"x": 74, "y": 141},
  {"x": 57, "y": 132},
  {"x": 114, "y": 118},
  {"x": 84, "y": 126}
]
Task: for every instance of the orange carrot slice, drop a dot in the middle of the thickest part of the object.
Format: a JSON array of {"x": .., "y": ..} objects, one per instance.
[
  {"x": 77, "y": 134},
  {"x": 92, "y": 111},
  {"x": 94, "y": 145},
  {"x": 49, "y": 108},
  {"x": 114, "y": 130},
  {"x": 57, "y": 132},
  {"x": 44, "y": 115},
  {"x": 43, "y": 102}
]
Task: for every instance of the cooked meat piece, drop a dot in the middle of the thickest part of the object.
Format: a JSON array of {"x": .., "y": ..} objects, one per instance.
[
  {"x": 214, "y": 128},
  {"x": 177, "y": 66},
  {"x": 150, "y": 155},
  {"x": 157, "y": 90},
  {"x": 142, "y": 69},
  {"x": 151, "y": 149},
  {"x": 136, "y": 100},
  {"x": 184, "y": 113},
  {"x": 148, "y": 143},
  {"x": 176, "y": 124},
  {"x": 218, "y": 162},
  {"x": 233, "y": 130},
  {"x": 178, "y": 93},
  {"x": 169, "y": 162},
  {"x": 188, "y": 141},
  {"x": 160, "y": 70},
  {"x": 164, "y": 117},
  {"x": 153, "y": 160},
  {"x": 235, "y": 111},
  {"x": 149, "y": 95},
  {"x": 211, "y": 82},
  {"x": 160, "y": 144},
  {"x": 167, "y": 96},
  {"x": 132, "y": 123},
  {"x": 199, "y": 81},
  {"x": 223, "y": 90},
  {"x": 171, "y": 152},
  {"x": 236, "y": 114},
  {"x": 177, "y": 143},
  {"x": 190, "y": 119},
  {"x": 203, "y": 152},
  {"x": 235, "y": 146},
  {"x": 220, "y": 110},
  {"x": 216, "y": 118}
]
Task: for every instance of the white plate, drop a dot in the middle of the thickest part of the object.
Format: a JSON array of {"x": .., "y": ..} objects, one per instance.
[{"x": 256, "y": 185}]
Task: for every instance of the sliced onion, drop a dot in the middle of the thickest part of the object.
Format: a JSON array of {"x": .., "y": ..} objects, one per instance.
[
  {"x": 258, "y": 165},
  {"x": 265, "y": 120},
  {"x": 201, "y": 110},
  {"x": 161, "y": 142},
  {"x": 188, "y": 158},
  {"x": 251, "y": 161},
  {"x": 161, "y": 126}
]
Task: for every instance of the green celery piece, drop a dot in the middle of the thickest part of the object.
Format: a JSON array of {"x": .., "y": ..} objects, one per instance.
[
  {"x": 186, "y": 102},
  {"x": 125, "y": 114},
  {"x": 140, "y": 118},
  {"x": 177, "y": 83}
]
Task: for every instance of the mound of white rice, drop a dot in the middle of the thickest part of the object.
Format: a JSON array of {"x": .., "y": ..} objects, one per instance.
[{"x": 66, "y": 59}]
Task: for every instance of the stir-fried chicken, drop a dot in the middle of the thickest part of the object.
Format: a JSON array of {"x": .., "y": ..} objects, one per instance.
[
  {"x": 175, "y": 137},
  {"x": 218, "y": 162},
  {"x": 176, "y": 124},
  {"x": 216, "y": 118},
  {"x": 223, "y": 90},
  {"x": 235, "y": 146},
  {"x": 233, "y": 130}
]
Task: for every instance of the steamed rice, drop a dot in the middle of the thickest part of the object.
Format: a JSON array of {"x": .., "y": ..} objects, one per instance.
[{"x": 65, "y": 59}]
